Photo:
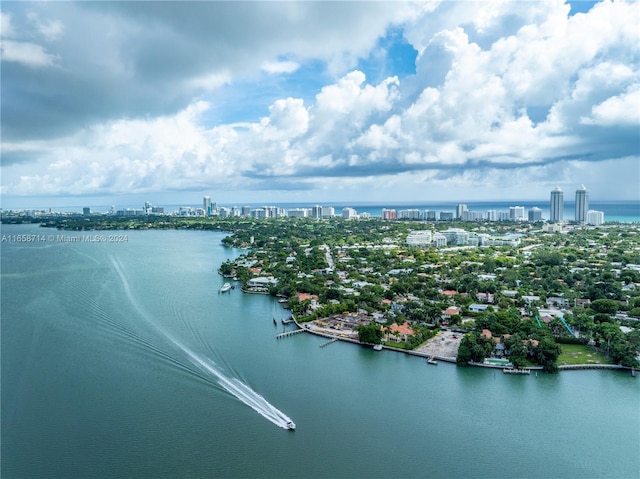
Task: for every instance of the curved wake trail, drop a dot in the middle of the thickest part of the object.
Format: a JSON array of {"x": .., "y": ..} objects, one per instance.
[{"x": 233, "y": 386}]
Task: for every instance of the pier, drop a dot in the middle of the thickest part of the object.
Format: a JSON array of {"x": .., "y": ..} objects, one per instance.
[
  {"x": 328, "y": 342},
  {"x": 289, "y": 333}
]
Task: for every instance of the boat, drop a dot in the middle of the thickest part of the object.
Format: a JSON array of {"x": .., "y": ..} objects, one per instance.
[
  {"x": 274, "y": 322},
  {"x": 377, "y": 347},
  {"x": 432, "y": 360},
  {"x": 291, "y": 425},
  {"x": 225, "y": 287},
  {"x": 516, "y": 371}
]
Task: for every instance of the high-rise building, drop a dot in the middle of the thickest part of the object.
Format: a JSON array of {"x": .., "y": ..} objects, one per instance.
[
  {"x": 556, "y": 206},
  {"x": 492, "y": 215},
  {"x": 582, "y": 204},
  {"x": 316, "y": 211},
  {"x": 419, "y": 238},
  {"x": 246, "y": 211},
  {"x": 206, "y": 204},
  {"x": 595, "y": 218},
  {"x": 412, "y": 214},
  {"x": 516, "y": 213},
  {"x": 460, "y": 209},
  {"x": 328, "y": 212},
  {"x": 389, "y": 214},
  {"x": 349, "y": 213},
  {"x": 470, "y": 215},
  {"x": 534, "y": 214}
]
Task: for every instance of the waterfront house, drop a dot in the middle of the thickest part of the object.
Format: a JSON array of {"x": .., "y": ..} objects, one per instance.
[
  {"x": 262, "y": 282},
  {"x": 397, "y": 333}
]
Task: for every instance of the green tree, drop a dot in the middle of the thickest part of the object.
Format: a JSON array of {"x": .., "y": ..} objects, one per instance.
[
  {"x": 546, "y": 355},
  {"x": 370, "y": 333},
  {"x": 464, "y": 351},
  {"x": 516, "y": 351},
  {"x": 605, "y": 306}
]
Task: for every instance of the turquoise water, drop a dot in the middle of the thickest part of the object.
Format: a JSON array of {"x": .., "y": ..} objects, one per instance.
[{"x": 97, "y": 382}]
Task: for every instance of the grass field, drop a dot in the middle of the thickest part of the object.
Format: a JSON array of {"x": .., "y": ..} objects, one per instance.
[{"x": 580, "y": 354}]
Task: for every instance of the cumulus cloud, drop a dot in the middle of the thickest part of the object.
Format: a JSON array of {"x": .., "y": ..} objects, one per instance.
[
  {"x": 620, "y": 110},
  {"x": 505, "y": 95}
]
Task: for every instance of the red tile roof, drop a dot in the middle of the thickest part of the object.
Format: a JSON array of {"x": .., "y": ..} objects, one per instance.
[
  {"x": 404, "y": 328},
  {"x": 305, "y": 296}
]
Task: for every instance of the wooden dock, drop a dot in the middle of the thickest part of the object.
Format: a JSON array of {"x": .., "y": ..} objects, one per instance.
[{"x": 516, "y": 371}]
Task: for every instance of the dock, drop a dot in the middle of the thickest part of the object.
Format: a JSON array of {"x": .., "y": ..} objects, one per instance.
[
  {"x": 286, "y": 321},
  {"x": 328, "y": 342},
  {"x": 432, "y": 360},
  {"x": 289, "y": 333}
]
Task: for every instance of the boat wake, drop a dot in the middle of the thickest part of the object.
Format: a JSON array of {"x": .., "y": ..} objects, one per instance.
[{"x": 233, "y": 386}]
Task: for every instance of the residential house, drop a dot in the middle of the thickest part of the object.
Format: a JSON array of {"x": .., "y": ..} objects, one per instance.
[{"x": 397, "y": 333}]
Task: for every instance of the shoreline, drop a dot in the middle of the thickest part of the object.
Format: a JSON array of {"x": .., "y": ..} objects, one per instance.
[{"x": 564, "y": 367}]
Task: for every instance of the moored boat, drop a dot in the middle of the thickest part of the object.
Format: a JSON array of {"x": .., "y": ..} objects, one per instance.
[
  {"x": 377, "y": 347},
  {"x": 516, "y": 371},
  {"x": 225, "y": 287}
]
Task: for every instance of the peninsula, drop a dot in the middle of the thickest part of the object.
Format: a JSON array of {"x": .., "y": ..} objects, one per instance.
[{"x": 512, "y": 294}]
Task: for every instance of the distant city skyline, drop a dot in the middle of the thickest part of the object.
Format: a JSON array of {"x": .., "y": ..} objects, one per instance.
[
  {"x": 424, "y": 211},
  {"x": 401, "y": 102}
]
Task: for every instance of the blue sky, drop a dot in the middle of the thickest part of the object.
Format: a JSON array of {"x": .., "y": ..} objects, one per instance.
[{"x": 122, "y": 102}]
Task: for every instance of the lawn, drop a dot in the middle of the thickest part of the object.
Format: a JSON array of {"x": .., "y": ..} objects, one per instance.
[{"x": 580, "y": 354}]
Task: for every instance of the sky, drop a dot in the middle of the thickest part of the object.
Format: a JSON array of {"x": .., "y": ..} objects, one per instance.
[{"x": 271, "y": 102}]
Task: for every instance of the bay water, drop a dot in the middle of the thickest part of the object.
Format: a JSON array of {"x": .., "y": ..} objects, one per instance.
[{"x": 100, "y": 343}]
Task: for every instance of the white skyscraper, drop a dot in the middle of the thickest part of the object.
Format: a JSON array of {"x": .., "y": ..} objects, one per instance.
[
  {"x": 595, "y": 218},
  {"x": 460, "y": 209},
  {"x": 556, "y": 207},
  {"x": 582, "y": 204},
  {"x": 349, "y": 213},
  {"x": 516, "y": 213},
  {"x": 206, "y": 204}
]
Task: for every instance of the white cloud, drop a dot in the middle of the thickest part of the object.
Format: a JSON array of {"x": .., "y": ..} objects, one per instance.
[
  {"x": 6, "y": 28},
  {"x": 618, "y": 110},
  {"x": 288, "y": 119},
  {"x": 506, "y": 93},
  {"x": 29, "y": 54},
  {"x": 280, "y": 67},
  {"x": 51, "y": 30}
]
